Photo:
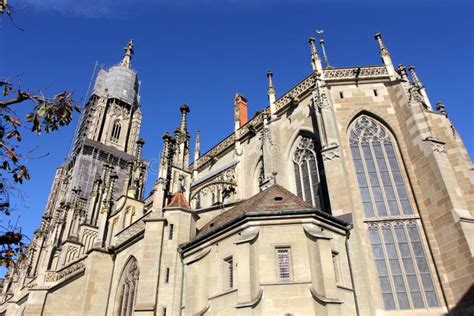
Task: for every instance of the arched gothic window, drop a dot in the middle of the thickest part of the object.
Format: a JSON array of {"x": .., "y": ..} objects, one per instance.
[
  {"x": 378, "y": 173},
  {"x": 116, "y": 128},
  {"x": 198, "y": 201},
  {"x": 127, "y": 289},
  {"x": 310, "y": 182},
  {"x": 403, "y": 270}
]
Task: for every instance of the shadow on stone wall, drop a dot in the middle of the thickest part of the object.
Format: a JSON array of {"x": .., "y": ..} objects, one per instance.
[{"x": 465, "y": 307}]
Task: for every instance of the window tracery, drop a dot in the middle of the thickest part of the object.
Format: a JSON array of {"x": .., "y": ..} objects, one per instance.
[
  {"x": 116, "y": 129},
  {"x": 128, "y": 286},
  {"x": 307, "y": 172},
  {"x": 379, "y": 176},
  {"x": 403, "y": 271}
]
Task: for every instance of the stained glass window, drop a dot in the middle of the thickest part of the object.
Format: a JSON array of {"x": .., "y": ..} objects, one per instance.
[
  {"x": 309, "y": 182},
  {"x": 402, "y": 268},
  {"x": 378, "y": 172}
]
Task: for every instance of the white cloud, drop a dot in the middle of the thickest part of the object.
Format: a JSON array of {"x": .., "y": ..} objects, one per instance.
[
  {"x": 86, "y": 8},
  {"x": 118, "y": 8}
]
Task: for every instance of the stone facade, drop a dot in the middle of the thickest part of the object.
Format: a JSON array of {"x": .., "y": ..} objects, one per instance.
[{"x": 347, "y": 195}]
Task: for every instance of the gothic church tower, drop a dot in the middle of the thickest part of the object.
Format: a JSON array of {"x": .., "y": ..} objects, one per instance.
[{"x": 104, "y": 164}]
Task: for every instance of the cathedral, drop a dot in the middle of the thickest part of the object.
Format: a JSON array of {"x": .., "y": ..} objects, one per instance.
[{"x": 349, "y": 194}]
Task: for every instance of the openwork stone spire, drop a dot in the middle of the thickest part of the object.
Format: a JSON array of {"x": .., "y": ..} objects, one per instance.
[{"x": 127, "y": 58}]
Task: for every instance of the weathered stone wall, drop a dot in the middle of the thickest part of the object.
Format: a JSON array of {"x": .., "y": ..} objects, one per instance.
[{"x": 257, "y": 288}]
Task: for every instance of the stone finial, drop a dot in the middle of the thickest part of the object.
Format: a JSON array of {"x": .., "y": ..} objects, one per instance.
[
  {"x": 441, "y": 108},
  {"x": 167, "y": 140},
  {"x": 403, "y": 72},
  {"x": 420, "y": 87},
  {"x": 140, "y": 143},
  {"x": 183, "y": 122},
  {"x": 315, "y": 60},
  {"x": 385, "y": 56},
  {"x": 271, "y": 92},
  {"x": 127, "y": 58},
  {"x": 166, "y": 155},
  {"x": 414, "y": 76},
  {"x": 167, "y": 137},
  {"x": 382, "y": 48},
  {"x": 197, "y": 146},
  {"x": 270, "y": 79}
]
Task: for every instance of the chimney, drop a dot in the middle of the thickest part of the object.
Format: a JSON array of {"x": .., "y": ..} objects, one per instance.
[{"x": 240, "y": 111}]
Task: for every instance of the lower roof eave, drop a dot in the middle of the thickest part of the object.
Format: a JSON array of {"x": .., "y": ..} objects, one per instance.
[{"x": 224, "y": 227}]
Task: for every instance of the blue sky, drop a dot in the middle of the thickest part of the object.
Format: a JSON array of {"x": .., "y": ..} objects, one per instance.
[{"x": 202, "y": 52}]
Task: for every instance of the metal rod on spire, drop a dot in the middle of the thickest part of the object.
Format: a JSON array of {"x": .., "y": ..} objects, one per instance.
[
  {"x": 321, "y": 41},
  {"x": 326, "y": 60}
]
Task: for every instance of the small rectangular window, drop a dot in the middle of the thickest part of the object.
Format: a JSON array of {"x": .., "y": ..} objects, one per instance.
[
  {"x": 164, "y": 311},
  {"x": 283, "y": 261},
  {"x": 171, "y": 231},
  {"x": 335, "y": 262},
  {"x": 341, "y": 94},
  {"x": 376, "y": 93},
  {"x": 229, "y": 272},
  {"x": 167, "y": 276}
]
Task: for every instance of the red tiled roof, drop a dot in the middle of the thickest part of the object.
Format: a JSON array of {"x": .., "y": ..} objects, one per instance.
[
  {"x": 179, "y": 201},
  {"x": 275, "y": 198}
]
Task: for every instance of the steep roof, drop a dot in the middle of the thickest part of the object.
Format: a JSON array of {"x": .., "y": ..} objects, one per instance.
[
  {"x": 274, "y": 199},
  {"x": 179, "y": 201}
]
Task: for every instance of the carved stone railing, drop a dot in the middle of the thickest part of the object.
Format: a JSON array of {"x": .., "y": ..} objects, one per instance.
[
  {"x": 132, "y": 230},
  {"x": 54, "y": 276},
  {"x": 355, "y": 73},
  {"x": 215, "y": 151},
  {"x": 254, "y": 122},
  {"x": 299, "y": 89}
]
